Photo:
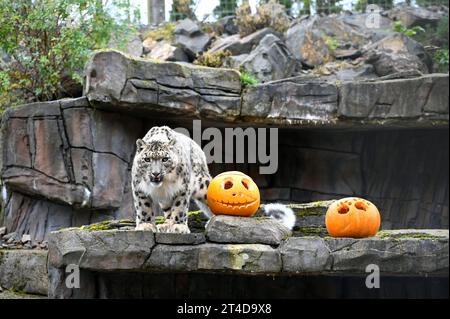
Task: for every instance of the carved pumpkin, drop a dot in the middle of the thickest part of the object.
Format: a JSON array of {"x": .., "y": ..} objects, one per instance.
[
  {"x": 233, "y": 193},
  {"x": 352, "y": 217}
]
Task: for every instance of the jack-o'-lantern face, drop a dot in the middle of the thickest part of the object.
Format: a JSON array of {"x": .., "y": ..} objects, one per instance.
[
  {"x": 352, "y": 217},
  {"x": 233, "y": 193}
]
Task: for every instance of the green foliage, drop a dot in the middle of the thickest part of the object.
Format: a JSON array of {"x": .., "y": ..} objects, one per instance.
[
  {"x": 49, "y": 41},
  {"x": 225, "y": 8},
  {"x": 163, "y": 32},
  {"x": 182, "y": 9},
  {"x": 213, "y": 60},
  {"x": 442, "y": 30},
  {"x": 361, "y": 5},
  {"x": 328, "y": 6},
  {"x": 248, "y": 79},
  {"x": 409, "y": 32},
  {"x": 441, "y": 59},
  {"x": 270, "y": 14},
  {"x": 331, "y": 42},
  {"x": 425, "y": 3}
]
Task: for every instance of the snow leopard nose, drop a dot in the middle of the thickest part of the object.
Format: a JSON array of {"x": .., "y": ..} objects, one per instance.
[{"x": 156, "y": 175}]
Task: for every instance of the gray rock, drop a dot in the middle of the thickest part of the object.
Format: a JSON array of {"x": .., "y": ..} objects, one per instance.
[
  {"x": 148, "y": 45},
  {"x": 414, "y": 16},
  {"x": 237, "y": 46},
  {"x": 2, "y": 231},
  {"x": 235, "y": 61},
  {"x": 230, "y": 229},
  {"x": 189, "y": 38},
  {"x": 12, "y": 235},
  {"x": 309, "y": 39},
  {"x": 398, "y": 53},
  {"x": 359, "y": 22},
  {"x": 228, "y": 24},
  {"x": 245, "y": 258},
  {"x": 395, "y": 252},
  {"x": 173, "y": 258},
  {"x": 303, "y": 255},
  {"x": 186, "y": 27},
  {"x": 402, "y": 98},
  {"x": 95, "y": 250},
  {"x": 295, "y": 98},
  {"x": 270, "y": 60},
  {"x": 365, "y": 71},
  {"x": 24, "y": 270},
  {"x": 412, "y": 256},
  {"x": 170, "y": 88},
  {"x": 164, "y": 51},
  {"x": 129, "y": 43},
  {"x": 180, "y": 239}
]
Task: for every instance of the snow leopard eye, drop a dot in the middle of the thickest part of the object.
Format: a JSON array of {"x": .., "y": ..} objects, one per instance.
[
  {"x": 165, "y": 159},
  {"x": 147, "y": 159}
]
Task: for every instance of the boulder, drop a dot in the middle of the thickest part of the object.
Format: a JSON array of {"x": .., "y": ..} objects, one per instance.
[
  {"x": 187, "y": 27},
  {"x": 180, "y": 239},
  {"x": 237, "y": 45},
  {"x": 414, "y": 16},
  {"x": 395, "y": 252},
  {"x": 164, "y": 51},
  {"x": 115, "y": 81},
  {"x": 230, "y": 229},
  {"x": 228, "y": 25},
  {"x": 397, "y": 53},
  {"x": 362, "y": 22},
  {"x": 129, "y": 43},
  {"x": 148, "y": 45},
  {"x": 314, "y": 40},
  {"x": 241, "y": 258},
  {"x": 104, "y": 249},
  {"x": 270, "y": 60},
  {"x": 189, "y": 38},
  {"x": 299, "y": 98},
  {"x": 394, "y": 98},
  {"x": 305, "y": 255},
  {"x": 24, "y": 270}
]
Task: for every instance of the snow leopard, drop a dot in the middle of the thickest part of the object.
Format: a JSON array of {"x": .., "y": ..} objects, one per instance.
[
  {"x": 169, "y": 169},
  {"x": 280, "y": 213}
]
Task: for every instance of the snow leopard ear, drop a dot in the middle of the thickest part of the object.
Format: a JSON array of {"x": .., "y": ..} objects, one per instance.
[{"x": 140, "y": 144}]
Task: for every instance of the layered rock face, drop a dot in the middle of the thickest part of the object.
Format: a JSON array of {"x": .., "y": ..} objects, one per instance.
[
  {"x": 235, "y": 246},
  {"x": 67, "y": 163}
]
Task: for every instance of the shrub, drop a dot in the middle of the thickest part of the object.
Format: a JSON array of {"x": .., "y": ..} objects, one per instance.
[
  {"x": 213, "y": 60},
  {"x": 49, "y": 42},
  {"x": 248, "y": 79},
  {"x": 441, "y": 59},
  {"x": 270, "y": 14},
  {"x": 409, "y": 32},
  {"x": 182, "y": 9},
  {"x": 164, "y": 32}
]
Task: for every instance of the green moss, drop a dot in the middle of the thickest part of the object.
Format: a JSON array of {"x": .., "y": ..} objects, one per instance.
[
  {"x": 212, "y": 59},
  {"x": 417, "y": 235},
  {"x": 309, "y": 232},
  {"x": 164, "y": 32}
]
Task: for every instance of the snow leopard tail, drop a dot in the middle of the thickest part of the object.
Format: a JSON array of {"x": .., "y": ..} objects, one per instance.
[{"x": 281, "y": 213}]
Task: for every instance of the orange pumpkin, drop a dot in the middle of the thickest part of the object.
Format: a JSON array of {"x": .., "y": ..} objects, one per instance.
[
  {"x": 233, "y": 193},
  {"x": 352, "y": 217}
]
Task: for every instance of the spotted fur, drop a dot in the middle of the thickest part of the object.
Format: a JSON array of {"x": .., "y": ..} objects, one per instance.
[{"x": 168, "y": 170}]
